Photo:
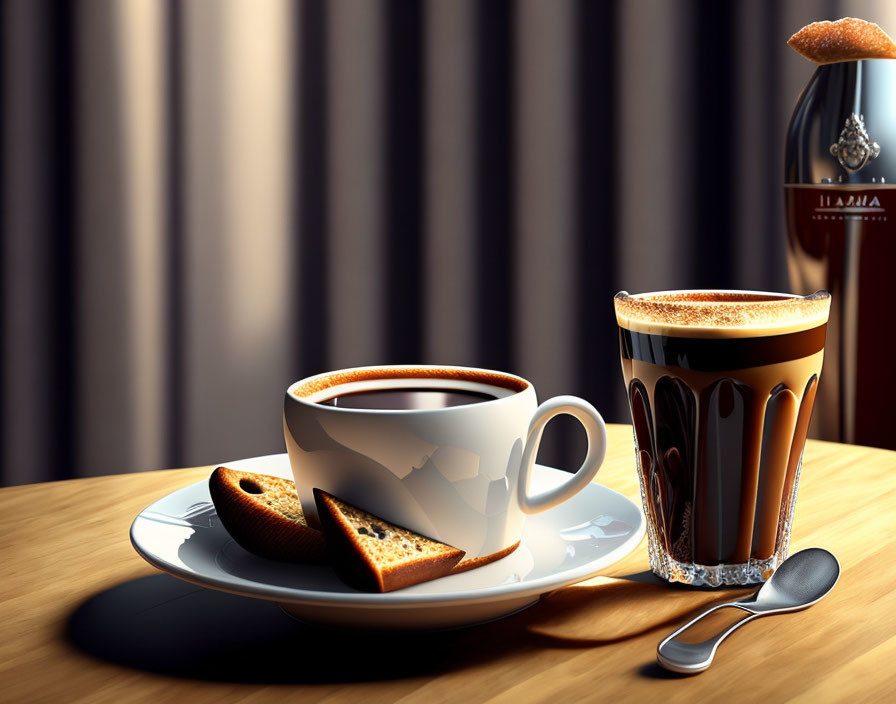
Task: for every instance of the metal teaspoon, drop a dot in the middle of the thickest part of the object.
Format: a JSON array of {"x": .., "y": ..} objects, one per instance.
[{"x": 800, "y": 581}]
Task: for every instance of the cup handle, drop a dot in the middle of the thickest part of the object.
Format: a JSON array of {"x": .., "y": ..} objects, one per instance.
[{"x": 596, "y": 432}]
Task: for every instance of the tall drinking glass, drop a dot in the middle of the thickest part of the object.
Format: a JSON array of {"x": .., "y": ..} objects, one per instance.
[{"x": 721, "y": 386}]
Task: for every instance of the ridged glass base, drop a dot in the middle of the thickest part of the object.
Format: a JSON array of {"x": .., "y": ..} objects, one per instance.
[{"x": 751, "y": 572}]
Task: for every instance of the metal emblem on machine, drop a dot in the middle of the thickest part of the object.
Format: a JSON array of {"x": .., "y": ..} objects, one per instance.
[{"x": 854, "y": 149}]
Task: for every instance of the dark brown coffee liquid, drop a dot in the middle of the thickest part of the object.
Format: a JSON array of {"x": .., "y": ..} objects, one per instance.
[
  {"x": 720, "y": 426},
  {"x": 407, "y": 399}
]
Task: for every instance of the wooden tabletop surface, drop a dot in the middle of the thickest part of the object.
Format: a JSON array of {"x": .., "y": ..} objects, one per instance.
[{"x": 84, "y": 618}]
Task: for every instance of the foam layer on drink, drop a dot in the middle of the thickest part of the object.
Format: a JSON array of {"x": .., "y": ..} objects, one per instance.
[{"x": 720, "y": 313}]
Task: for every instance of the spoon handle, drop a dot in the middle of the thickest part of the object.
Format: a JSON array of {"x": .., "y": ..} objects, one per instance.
[{"x": 691, "y": 658}]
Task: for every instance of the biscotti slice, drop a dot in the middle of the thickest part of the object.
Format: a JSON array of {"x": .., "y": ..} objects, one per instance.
[
  {"x": 371, "y": 554},
  {"x": 263, "y": 514}
]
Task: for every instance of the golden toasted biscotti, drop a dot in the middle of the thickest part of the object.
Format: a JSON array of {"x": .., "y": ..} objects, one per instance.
[
  {"x": 263, "y": 514},
  {"x": 371, "y": 554}
]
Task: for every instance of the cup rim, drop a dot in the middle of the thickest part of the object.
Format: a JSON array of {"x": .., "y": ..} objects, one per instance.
[{"x": 405, "y": 371}]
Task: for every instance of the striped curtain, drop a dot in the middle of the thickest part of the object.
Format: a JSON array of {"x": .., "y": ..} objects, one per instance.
[{"x": 204, "y": 200}]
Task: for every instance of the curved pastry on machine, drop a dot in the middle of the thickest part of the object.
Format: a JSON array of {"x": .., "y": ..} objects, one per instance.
[{"x": 847, "y": 39}]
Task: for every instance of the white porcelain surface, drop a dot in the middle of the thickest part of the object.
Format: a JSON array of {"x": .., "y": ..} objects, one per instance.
[
  {"x": 457, "y": 475},
  {"x": 180, "y": 534}
]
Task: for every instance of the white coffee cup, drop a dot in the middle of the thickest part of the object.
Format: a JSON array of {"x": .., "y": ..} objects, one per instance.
[{"x": 459, "y": 474}]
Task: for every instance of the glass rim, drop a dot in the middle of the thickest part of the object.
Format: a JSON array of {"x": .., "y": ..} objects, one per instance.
[{"x": 720, "y": 312}]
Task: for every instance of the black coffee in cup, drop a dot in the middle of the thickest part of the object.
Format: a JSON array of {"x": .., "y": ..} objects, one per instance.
[
  {"x": 721, "y": 387},
  {"x": 407, "y": 399}
]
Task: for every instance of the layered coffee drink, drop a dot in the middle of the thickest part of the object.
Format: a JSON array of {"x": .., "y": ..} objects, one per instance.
[{"x": 721, "y": 386}]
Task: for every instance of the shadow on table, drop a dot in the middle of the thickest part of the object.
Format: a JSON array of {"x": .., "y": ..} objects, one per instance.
[
  {"x": 164, "y": 625},
  {"x": 167, "y": 626},
  {"x": 605, "y": 610}
]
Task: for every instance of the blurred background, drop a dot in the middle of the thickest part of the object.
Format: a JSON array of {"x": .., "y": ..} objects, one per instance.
[{"x": 204, "y": 200}]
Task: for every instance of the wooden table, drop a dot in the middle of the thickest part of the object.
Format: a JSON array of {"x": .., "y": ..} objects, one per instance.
[{"x": 84, "y": 618}]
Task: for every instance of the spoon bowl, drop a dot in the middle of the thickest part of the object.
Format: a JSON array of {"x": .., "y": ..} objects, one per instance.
[{"x": 800, "y": 581}]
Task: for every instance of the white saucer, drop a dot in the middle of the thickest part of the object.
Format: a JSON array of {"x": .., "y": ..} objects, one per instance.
[{"x": 180, "y": 534}]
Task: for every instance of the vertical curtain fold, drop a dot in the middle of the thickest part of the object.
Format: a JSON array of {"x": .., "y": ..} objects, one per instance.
[
  {"x": 653, "y": 148},
  {"x": 755, "y": 115},
  {"x": 494, "y": 184},
  {"x": 356, "y": 187},
  {"x": 38, "y": 280},
  {"x": 120, "y": 257},
  {"x": 711, "y": 141},
  {"x": 449, "y": 219},
  {"x": 403, "y": 71},
  {"x": 310, "y": 298},
  {"x": 238, "y": 158}
]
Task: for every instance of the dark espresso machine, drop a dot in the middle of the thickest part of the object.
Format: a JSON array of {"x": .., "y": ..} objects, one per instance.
[{"x": 840, "y": 186}]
